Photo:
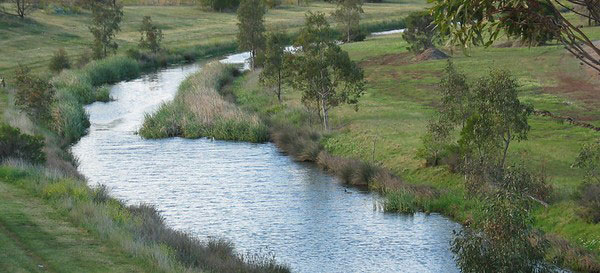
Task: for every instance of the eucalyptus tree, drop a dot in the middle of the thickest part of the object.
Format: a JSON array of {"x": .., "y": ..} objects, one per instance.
[
  {"x": 347, "y": 14},
  {"x": 251, "y": 27},
  {"x": 106, "y": 19},
  {"x": 321, "y": 70},
  {"x": 272, "y": 74},
  {"x": 476, "y": 22}
]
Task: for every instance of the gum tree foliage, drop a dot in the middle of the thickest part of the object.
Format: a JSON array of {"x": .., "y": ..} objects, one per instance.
[
  {"x": 34, "y": 94},
  {"x": 273, "y": 74},
  {"x": 498, "y": 116},
  {"x": 106, "y": 20},
  {"x": 480, "y": 22},
  {"x": 456, "y": 95},
  {"x": 151, "y": 35},
  {"x": 347, "y": 14},
  {"x": 420, "y": 33},
  {"x": 20, "y": 8},
  {"x": 504, "y": 239},
  {"x": 589, "y": 160},
  {"x": 251, "y": 27},
  {"x": 323, "y": 72}
]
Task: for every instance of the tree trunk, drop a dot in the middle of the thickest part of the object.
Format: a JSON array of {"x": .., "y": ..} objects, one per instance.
[
  {"x": 279, "y": 85},
  {"x": 506, "y": 144},
  {"x": 325, "y": 114}
]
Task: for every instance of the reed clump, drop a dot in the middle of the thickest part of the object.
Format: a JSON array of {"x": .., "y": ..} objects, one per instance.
[{"x": 198, "y": 110}]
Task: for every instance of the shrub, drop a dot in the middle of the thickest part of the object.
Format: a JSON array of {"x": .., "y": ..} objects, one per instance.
[
  {"x": 420, "y": 32},
  {"x": 14, "y": 144},
  {"x": 504, "y": 239},
  {"x": 435, "y": 142},
  {"x": 589, "y": 161},
  {"x": 219, "y": 5},
  {"x": 590, "y": 200},
  {"x": 59, "y": 61},
  {"x": 272, "y": 3},
  {"x": 34, "y": 94}
]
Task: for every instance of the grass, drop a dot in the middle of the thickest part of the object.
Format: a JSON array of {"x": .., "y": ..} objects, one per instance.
[
  {"x": 36, "y": 238},
  {"x": 198, "y": 110},
  {"x": 61, "y": 223},
  {"x": 33, "y": 41},
  {"x": 401, "y": 97}
]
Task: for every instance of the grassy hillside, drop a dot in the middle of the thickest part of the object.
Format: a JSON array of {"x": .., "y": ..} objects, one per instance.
[
  {"x": 33, "y": 40},
  {"x": 37, "y": 238},
  {"x": 402, "y": 96}
]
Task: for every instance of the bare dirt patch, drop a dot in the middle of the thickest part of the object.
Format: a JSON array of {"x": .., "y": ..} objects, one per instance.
[{"x": 389, "y": 59}]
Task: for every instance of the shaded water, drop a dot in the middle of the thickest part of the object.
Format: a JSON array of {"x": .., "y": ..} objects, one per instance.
[{"x": 251, "y": 194}]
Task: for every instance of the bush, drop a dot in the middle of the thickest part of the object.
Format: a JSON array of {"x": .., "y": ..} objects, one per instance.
[
  {"x": 272, "y": 3},
  {"x": 219, "y": 5},
  {"x": 590, "y": 200},
  {"x": 420, "y": 32},
  {"x": 34, "y": 94},
  {"x": 59, "y": 61},
  {"x": 14, "y": 144}
]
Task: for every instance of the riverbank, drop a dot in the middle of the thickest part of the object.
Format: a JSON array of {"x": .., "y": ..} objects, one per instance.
[{"x": 401, "y": 97}]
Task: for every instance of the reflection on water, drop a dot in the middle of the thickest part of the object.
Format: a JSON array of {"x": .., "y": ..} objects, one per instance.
[{"x": 251, "y": 194}]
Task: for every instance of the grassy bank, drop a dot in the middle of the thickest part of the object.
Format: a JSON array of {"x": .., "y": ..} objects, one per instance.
[
  {"x": 113, "y": 236},
  {"x": 401, "y": 97},
  {"x": 198, "y": 110}
]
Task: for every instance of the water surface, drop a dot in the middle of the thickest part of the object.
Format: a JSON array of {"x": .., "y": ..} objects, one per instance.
[{"x": 251, "y": 194}]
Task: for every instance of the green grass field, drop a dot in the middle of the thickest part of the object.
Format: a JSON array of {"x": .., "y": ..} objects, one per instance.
[{"x": 33, "y": 41}]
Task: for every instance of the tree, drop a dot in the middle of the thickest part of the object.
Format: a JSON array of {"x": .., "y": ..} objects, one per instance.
[
  {"x": 251, "y": 28},
  {"x": 420, "y": 32},
  {"x": 106, "y": 20},
  {"x": 34, "y": 94},
  {"x": 322, "y": 71},
  {"x": 504, "y": 239},
  {"x": 347, "y": 15},
  {"x": 151, "y": 35},
  {"x": 273, "y": 65},
  {"x": 21, "y": 7},
  {"x": 476, "y": 22},
  {"x": 456, "y": 96},
  {"x": 498, "y": 116}
]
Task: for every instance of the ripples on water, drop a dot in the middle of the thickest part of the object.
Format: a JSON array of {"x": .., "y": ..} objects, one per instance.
[{"x": 251, "y": 194}]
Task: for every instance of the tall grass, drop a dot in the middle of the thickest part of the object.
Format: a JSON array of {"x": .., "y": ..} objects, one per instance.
[
  {"x": 139, "y": 230},
  {"x": 198, "y": 110}
]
